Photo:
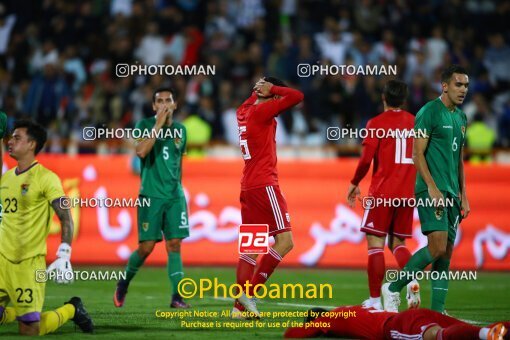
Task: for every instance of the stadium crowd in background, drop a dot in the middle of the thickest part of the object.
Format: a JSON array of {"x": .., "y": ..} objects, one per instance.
[{"x": 58, "y": 58}]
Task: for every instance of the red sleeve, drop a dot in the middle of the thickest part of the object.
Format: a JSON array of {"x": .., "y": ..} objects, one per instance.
[
  {"x": 301, "y": 332},
  {"x": 370, "y": 145},
  {"x": 250, "y": 100},
  {"x": 289, "y": 98},
  {"x": 367, "y": 154}
]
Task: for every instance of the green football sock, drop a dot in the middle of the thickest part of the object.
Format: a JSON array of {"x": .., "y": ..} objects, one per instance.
[
  {"x": 134, "y": 263},
  {"x": 175, "y": 271},
  {"x": 417, "y": 262},
  {"x": 440, "y": 286}
]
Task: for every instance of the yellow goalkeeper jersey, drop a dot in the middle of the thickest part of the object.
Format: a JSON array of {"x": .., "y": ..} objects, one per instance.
[{"x": 27, "y": 211}]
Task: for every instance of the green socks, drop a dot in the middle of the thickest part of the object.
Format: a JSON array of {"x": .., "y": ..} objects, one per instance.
[
  {"x": 440, "y": 286},
  {"x": 417, "y": 262},
  {"x": 175, "y": 271},
  {"x": 174, "y": 265},
  {"x": 134, "y": 263}
]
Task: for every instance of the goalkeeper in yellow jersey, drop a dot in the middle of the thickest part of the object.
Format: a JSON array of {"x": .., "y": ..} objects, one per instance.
[{"x": 29, "y": 192}]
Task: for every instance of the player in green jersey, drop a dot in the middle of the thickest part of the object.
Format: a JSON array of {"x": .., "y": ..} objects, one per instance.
[
  {"x": 30, "y": 193},
  {"x": 438, "y": 158},
  {"x": 161, "y": 152}
]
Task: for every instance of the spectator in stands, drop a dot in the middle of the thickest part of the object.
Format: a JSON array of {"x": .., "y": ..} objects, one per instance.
[
  {"x": 48, "y": 93},
  {"x": 497, "y": 61},
  {"x": 436, "y": 49},
  {"x": 61, "y": 70}
]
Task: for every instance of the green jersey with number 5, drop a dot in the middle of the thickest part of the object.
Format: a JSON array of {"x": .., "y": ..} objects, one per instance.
[
  {"x": 446, "y": 130},
  {"x": 161, "y": 169}
]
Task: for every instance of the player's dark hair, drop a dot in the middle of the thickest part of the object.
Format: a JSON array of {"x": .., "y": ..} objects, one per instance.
[
  {"x": 395, "y": 93},
  {"x": 275, "y": 81},
  {"x": 35, "y": 131},
  {"x": 449, "y": 71},
  {"x": 162, "y": 89}
]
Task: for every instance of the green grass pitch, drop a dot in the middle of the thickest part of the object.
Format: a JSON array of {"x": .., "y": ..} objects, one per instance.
[{"x": 482, "y": 301}]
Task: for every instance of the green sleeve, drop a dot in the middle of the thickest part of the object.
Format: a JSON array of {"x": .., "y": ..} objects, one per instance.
[
  {"x": 3, "y": 124},
  {"x": 424, "y": 121},
  {"x": 185, "y": 140},
  {"x": 464, "y": 122},
  {"x": 142, "y": 126}
]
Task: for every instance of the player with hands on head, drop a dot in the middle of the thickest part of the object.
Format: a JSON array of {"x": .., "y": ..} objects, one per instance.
[{"x": 261, "y": 199}]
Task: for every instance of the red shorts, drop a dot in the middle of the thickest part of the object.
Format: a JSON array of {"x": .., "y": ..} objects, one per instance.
[
  {"x": 412, "y": 323},
  {"x": 265, "y": 205},
  {"x": 383, "y": 220}
]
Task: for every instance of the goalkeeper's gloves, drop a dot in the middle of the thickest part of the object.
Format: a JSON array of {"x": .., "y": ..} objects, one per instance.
[{"x": 62, "y": 265}]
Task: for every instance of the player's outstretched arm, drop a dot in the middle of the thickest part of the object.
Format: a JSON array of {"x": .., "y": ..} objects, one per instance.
[
  {"x": 419, "y": 147},
  {"x": 62, "y": 265},
  {"x": 462, "y": 185}
]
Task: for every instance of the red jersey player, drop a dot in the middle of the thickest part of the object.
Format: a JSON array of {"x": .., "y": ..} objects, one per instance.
[
  {"x": 358, "y": 322},
  {"x": 261, "y": 199},
  {"x": 393, "y": 177}
]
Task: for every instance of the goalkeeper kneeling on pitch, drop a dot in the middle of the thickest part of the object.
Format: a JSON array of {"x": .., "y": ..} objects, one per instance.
[{"x": 27, "y": 191}]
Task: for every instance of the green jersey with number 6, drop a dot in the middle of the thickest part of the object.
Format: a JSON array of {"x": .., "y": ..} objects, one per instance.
[
  {"x": 446, "y": 130},
  {"x": 161, "y": 169}
]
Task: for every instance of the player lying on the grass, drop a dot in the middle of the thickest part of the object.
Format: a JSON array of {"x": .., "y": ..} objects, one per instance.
[
  {"x": 363, "y": 323},
  {"x": 29, "y": 192},
  {"x": 261, "y": 199},
  {"x": 161, "y": 175},
  {"x": 393, "y": 177}
]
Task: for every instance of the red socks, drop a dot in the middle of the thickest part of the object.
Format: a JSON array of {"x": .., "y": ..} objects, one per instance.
[
  {"x": 268, "y": 263},
  {"x": 402, "y": 255},
  {"x": 375, "y": 271},
  {"x": 245, "y": 269},
  {"x": 459, "y": 331},
  {"x": 376, "y": 266}
]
